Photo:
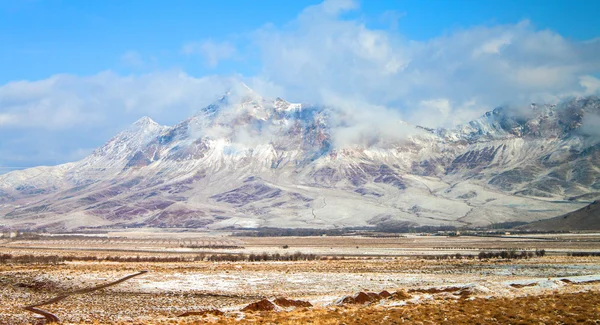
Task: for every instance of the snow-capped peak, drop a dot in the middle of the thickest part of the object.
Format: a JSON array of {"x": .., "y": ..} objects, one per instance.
[
  {"x": 145, "y": 121},
  {"x": 144, "y": 125},
  {"x": 131, "y": 139}
]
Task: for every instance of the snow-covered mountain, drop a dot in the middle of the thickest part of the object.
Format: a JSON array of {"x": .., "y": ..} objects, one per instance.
[{"x": 249, "y": 161}]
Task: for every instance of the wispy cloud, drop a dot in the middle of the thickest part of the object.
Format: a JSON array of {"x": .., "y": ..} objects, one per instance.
[{"x": 212, "y": 52}]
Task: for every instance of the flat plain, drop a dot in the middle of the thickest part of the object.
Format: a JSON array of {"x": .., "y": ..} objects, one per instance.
[{"x": 211, "y": 278}]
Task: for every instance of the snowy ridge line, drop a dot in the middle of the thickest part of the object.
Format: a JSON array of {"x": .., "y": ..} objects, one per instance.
[{"x": 243, "y": 161}]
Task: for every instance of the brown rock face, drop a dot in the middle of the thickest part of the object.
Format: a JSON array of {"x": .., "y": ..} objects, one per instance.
[
  {"x": 283, "y": 302},
  {"x": 263, "y": 305},
  {"x": 365, "y": 298},
  {"x": 384, "y": 294},
  {"x": 362, "y": 298}
]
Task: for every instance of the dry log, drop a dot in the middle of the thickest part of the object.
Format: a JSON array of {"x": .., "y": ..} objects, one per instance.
[{"x": 51, "y": 318}]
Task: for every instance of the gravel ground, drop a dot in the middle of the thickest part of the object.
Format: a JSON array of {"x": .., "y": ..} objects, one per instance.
[{"x": 169, "y": 289}]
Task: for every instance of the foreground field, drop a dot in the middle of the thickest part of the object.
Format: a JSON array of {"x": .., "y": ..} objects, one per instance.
[
  {"x": 552, "y": 289},
  {"x": 576, "y": 308}
]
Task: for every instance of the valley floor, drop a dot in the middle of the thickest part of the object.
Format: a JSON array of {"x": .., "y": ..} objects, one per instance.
[{"x": 553, "y": 289}]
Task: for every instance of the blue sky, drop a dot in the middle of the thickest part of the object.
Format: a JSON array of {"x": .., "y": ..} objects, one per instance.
[
  {"x": 46, "y": 37},
  {"x": 86, "y": 69}
]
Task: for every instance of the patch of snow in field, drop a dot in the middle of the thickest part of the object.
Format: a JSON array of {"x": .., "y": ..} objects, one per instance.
[
  {"x": 582, "y": 279},
  {"x": 552, "y": 283}
]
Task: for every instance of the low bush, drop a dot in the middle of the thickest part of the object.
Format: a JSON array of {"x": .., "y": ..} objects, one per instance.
[{"x": 508, "y": 255}]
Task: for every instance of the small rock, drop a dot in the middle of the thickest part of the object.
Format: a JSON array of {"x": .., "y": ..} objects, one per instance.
[
  {"x": 263, "y": 305},
  {"x": 385, "y": 294},
  {"x": 283, "y": 302}
]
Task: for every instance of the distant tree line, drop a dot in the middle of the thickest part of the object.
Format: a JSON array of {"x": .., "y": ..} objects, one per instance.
[
  {"x": 376, "y": 231},
  {"x": 507, "y": 225},
  {"x": 213, "y": 246},
  {"x": 264, "y": 257},
  {"x": 583, "y": 254},
  {"x": 511, "y": 254},
  {"x": 404, "y": 229},
  {"x": 290, "y": 232},
  {"x": 58, "y": 259},
  {"x": 304, "y": 232}
]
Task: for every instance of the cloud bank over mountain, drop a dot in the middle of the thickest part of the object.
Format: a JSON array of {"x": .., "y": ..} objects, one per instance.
[
  {"x": 459, "y": 74},
  {"x": 330, "y": 55}
]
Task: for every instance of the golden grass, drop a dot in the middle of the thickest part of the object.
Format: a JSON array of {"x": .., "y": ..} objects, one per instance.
[{"x": 571, "y": 308}]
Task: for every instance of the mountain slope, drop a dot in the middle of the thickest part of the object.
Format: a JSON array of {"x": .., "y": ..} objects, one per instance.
[
  {"x": 249, "y": 161},
  {"x": 586, "y": 218}
]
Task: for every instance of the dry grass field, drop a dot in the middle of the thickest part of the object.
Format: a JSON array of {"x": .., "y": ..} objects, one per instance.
[{"x": 342, "y": 281}]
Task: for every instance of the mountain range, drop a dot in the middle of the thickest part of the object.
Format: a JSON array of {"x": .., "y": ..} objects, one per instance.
[{"x": 246, "y": 161}]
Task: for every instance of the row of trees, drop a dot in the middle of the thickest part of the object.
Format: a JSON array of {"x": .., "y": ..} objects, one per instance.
[
  {"x": 583, "y": 254},
  {"x": 507, "y": 254},
  {"x": 511, "y": 254},
  {"x": 264, "y": 257},
  {"x": 57, "y": 259}
]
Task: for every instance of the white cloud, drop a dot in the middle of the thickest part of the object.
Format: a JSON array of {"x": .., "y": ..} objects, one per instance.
[
  {"x": 473, "y": 70},
  {"x": 213, "y": 52},
  {"x": 6, "y": 119},
  {"x": 67, "y": 101},
  {"x": 356, "y": 122},
  {"x": 493, "y": 46},
  {"x": 441, "y": 112},
  {"x": 591, "y": 125},
  {"x": 49, "y": 121},
  {"x": 591, "y": 85},
  {"x": 320, "y": 51}
]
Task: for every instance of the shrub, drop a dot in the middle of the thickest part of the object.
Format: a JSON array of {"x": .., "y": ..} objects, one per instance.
[{"x": 509, "y": 255}]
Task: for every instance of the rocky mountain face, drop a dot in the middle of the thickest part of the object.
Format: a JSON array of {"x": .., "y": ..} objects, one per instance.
[{"x": 246, "y": 161}]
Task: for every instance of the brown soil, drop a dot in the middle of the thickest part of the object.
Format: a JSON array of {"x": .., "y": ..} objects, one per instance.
[
  {"x": 518, "y": 285},
  {"x": 571, "y": 308},
  {"x": 214, "y": 312},
  {"x": 400, "y": 295},
  {"x": 160, "y": 296}
]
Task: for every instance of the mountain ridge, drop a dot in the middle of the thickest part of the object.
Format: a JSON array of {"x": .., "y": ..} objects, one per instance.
[{"x": 249, "y": 161}]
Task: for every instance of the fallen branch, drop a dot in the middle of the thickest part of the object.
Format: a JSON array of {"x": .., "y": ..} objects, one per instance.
[{"x": 51, "y": 318}]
